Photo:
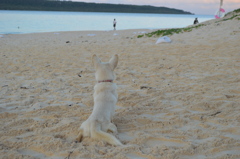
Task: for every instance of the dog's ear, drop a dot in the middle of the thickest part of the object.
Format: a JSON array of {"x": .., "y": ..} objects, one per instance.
[
  {"x": 113, "y": 62},
  {"x": 96, "y": 61}
]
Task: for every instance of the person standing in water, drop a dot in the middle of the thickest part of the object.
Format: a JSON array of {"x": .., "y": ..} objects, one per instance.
[{"x": 114, "y": 24}]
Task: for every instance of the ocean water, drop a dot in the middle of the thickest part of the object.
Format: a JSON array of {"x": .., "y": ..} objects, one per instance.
[{"x": 20, "y": 22}]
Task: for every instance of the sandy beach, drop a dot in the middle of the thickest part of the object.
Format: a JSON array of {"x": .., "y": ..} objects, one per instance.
[{"x": 178, "y": 100}]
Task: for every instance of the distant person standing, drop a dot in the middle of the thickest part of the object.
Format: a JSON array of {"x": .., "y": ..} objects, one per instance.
[
  {"x": 114, "y": 24},
  {"x": 195, "y": 21}
]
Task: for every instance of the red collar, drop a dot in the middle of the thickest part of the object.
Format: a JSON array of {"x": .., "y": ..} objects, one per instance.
[{"x": 105, "y": 81}]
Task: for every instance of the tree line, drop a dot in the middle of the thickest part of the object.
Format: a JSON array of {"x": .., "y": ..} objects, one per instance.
[{"x": 57, "y": 5}]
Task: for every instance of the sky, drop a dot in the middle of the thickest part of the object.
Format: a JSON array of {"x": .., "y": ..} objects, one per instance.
[{"x": 202, "y": 7}]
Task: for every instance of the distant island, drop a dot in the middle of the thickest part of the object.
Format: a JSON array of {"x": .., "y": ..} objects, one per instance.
[{"x": 59, "y": 5}]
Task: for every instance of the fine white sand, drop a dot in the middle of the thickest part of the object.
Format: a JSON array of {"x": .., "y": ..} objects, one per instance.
[{"x": 176, "y": 100}]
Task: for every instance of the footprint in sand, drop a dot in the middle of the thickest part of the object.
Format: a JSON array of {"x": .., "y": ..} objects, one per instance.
[{"x": 153, "y": 141}]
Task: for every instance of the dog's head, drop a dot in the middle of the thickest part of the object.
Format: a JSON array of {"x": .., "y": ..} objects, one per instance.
[{"x": 105, "y": 70}]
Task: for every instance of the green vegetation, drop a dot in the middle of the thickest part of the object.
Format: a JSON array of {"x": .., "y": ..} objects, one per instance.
[
  {"x": 235, "y": 11},
  {"x": 63, "y": 5},
  {"x": 233, "y": 16},
  {"x": 166, "y": 32}
]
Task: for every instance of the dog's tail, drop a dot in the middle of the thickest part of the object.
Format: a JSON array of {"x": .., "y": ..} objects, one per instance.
[{"x": 98, "y": 134}]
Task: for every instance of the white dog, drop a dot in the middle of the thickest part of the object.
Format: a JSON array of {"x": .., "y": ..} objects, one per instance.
[{"x": 105, "y": 99}]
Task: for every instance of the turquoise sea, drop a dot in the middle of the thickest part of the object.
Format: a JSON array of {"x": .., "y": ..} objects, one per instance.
[{"x": 20, "y": 22}]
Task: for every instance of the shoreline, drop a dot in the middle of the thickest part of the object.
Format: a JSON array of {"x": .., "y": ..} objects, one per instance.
[{"x": 82, "y": 31}]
